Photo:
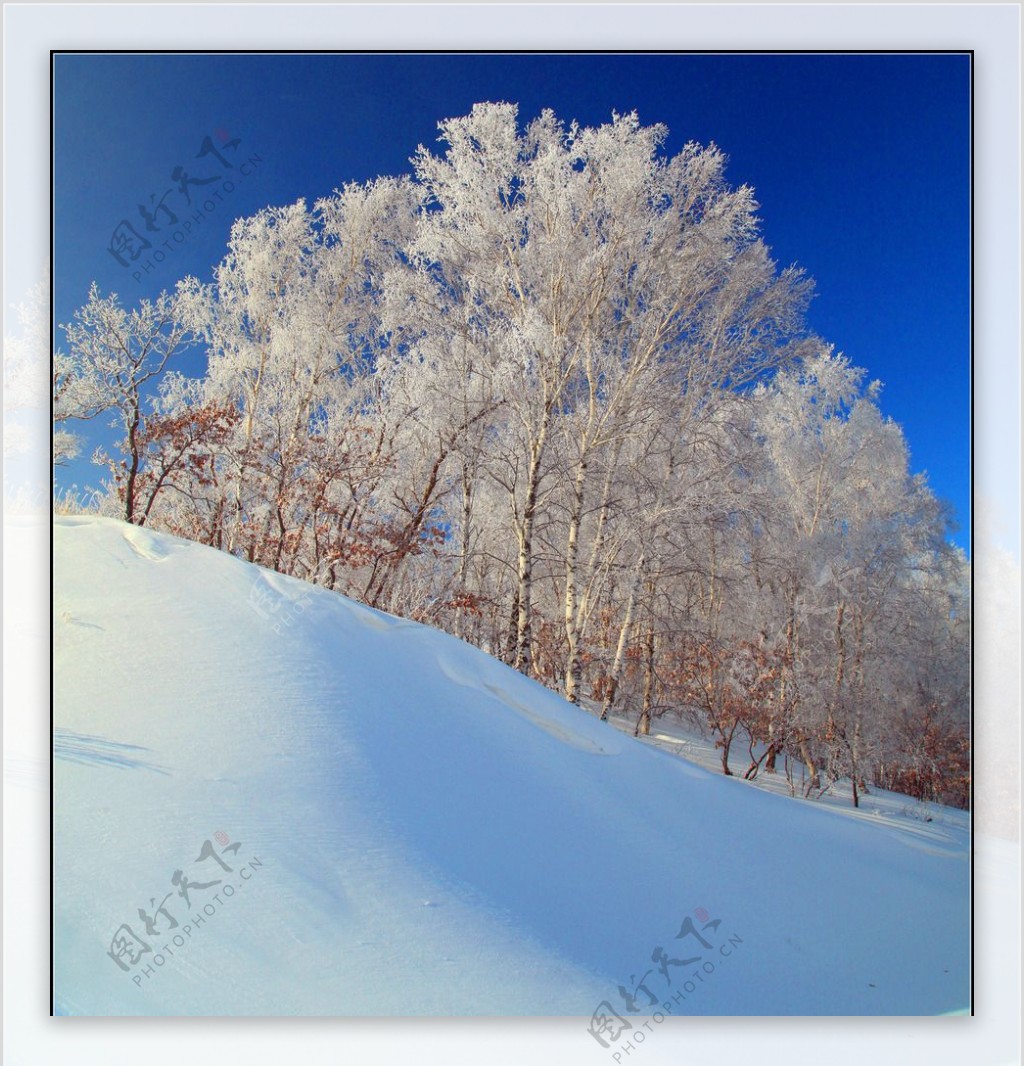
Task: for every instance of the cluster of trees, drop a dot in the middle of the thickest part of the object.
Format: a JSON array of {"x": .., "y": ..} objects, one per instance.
[{"x": 550, "y": 393}]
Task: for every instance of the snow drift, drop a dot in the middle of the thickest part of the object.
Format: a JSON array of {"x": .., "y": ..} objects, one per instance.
[{"x": 270, "y": 800}]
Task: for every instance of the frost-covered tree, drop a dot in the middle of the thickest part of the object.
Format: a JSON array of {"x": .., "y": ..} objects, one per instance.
[
  {"x": 850, "y": 536},
  {"x": 291, "y": 331},
  {"x": 607, "y": 285},
  {"x": 112, "y": 355}
]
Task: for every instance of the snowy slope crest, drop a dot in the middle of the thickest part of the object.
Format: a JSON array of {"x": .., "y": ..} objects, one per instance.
[{"x": 271, "y": 800}]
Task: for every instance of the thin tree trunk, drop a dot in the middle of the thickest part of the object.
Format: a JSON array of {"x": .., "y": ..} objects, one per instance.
[
  {"x": 467, "y": 518},
  {"x": 250, "y": 414},
  {"x": 620, "y": 650},
  {"x": 808, "y": 761},
  {"x": 596, "y": 561},
  {"x": 133, "y": 469},
  {"x": 643, "y": 726},
  {"x": 573, "y": 669},
  {"x": 524, "y": 615},
  {"x": 775, "y": 744}
]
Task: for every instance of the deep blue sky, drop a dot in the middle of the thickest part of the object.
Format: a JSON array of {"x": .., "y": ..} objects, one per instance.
[{"x": 861, "y": 165}]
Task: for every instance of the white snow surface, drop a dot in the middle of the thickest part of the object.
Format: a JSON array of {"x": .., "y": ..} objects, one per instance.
[{"x": 423, "y": 831}]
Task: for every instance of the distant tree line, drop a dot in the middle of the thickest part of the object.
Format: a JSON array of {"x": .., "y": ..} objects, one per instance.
[{"x": 550, "y": 393}]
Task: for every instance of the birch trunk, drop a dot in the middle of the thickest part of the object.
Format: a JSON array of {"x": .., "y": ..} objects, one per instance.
[
  {"x": 522, "y": 660},
  {"x": 573, "y": 666}
]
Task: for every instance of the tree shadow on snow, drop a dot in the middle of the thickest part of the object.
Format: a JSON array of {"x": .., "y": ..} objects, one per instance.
[{"x": 83, "y": 748}]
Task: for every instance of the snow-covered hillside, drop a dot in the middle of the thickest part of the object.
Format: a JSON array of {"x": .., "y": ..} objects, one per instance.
[{"x": 370, "y": 817}]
